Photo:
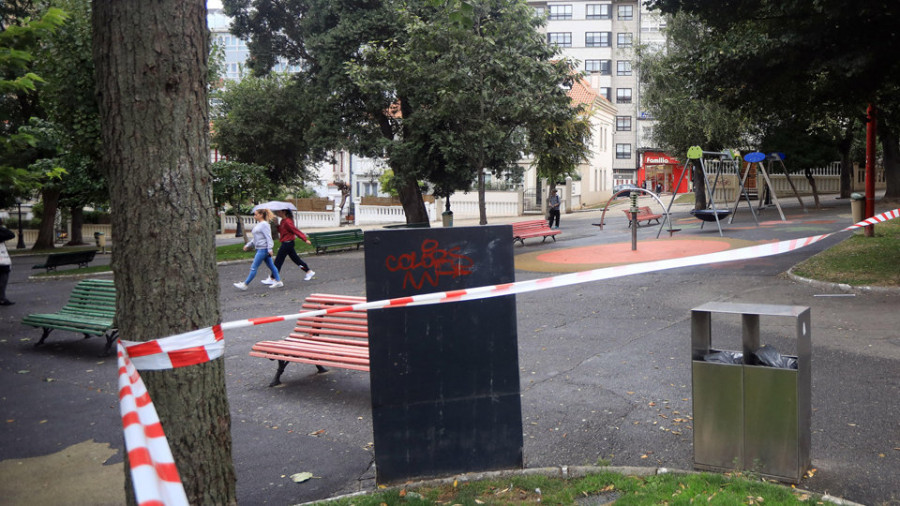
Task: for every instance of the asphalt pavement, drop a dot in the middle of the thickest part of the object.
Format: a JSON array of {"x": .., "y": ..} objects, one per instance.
[{"x": 605, "y": 370}]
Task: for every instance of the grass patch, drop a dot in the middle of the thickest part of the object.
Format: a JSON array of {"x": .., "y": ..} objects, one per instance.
[
  {"x": 685, "y": 198},
  {"x": 704, "y": 488},
  {"x": 859, "y": 260},
  {"x": 236, "y": 251}
]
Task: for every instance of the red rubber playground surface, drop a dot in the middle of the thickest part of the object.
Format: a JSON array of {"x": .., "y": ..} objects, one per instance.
[{"x": 607, "y": 255}]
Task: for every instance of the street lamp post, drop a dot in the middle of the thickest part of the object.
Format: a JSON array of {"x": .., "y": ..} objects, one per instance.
[{"x": 21, "y": 243}]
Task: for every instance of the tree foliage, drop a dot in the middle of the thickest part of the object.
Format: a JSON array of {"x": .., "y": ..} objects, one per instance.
[
  {"x": 22, "y": 30},
  {"x": 70, "y": 102},
  {"x": 443, "y": 90},
  {"x": 264, "y": 121},
  {"x": 561, "y": 145},
  {"x": 796, "y": 58}
]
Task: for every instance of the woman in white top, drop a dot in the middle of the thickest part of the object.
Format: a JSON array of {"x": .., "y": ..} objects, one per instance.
[{"x": 262, "y": 241}]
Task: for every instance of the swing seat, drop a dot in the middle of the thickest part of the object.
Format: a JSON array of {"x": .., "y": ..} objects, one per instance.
[{"x": 710, "y": 214}]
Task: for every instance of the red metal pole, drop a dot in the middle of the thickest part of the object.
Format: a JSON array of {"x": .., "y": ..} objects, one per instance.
[{"x": 871, "y": 128}]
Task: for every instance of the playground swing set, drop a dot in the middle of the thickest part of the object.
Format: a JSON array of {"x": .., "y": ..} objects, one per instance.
[
  {"x": 715, "y": 213},
  {"x": 763, "y": 165}
]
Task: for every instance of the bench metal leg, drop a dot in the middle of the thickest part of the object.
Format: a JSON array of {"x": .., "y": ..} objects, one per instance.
[
  {"x": 47, "y": 331},
  {"x": 320, "y": 369}
]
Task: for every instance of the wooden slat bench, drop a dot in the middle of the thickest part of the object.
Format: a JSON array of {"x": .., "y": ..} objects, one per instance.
[
  {"x": 533, "y": 228},
  {"x": 333, "y": 340},
  {"x": 336, "y": 239},
  {"x": 91, "y": 310},
  {"x": 644, "y": 214},
  {"x": 79, "y": 258}
]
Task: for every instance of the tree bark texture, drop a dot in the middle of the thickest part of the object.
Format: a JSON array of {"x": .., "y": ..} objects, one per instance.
[
  {"x": 46, "y": 238},
  {"x": 700, "y": 198},
  {"x": 411, "y": 198},
  {"x": 812, "y": 184},
  {"x": 77, "y": 236},
  {"x": 890, "y": 146},
  {"x": 844, "y": 146},
  {"x": 151, "y": 61}
]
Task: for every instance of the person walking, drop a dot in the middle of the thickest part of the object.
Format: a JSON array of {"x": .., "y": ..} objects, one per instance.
[
  {"x": 5, "y": 263},
  {"x": 553, "y": 204},
  {"x": 287, "y": 232},
  {"x": 262, "y": 241}
]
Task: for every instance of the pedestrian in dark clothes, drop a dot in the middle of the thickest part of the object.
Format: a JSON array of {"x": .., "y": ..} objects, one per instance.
[{"x": 287, "y": 232}]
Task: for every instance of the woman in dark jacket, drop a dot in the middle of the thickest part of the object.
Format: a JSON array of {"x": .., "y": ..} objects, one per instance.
[{"x": 287, "y": 232}]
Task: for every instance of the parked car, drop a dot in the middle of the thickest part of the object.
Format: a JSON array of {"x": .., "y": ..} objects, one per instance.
[{"x": 627, "y": 186}]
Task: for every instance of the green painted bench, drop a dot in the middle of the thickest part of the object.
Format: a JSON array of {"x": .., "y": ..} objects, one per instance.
[
  {"x": 91, "y": 310},
  {"x": 336, "y": 239},
  {"x": 79, "y": 258}
]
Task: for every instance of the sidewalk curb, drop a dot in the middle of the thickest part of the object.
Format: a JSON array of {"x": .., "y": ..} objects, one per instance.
[
  {"x": 564, "y": 472},
  {"x": 843, "y": 287}
]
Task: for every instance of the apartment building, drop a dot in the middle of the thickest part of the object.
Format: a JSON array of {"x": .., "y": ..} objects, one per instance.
[{"x": 601, "y": 36}]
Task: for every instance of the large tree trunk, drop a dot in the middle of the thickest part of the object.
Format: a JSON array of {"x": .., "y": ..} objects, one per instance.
[
  {"x": 482, "y": 205},
  {"x": 844, "y": 146},
  {"x": 46, "y": 238},
  {"x": 411, "y": 197},
  {"x": 150, "y": 59},
  {"x": 890, "y": 146},
  {"x": 77, "y": 237},
  {"x": 700, "y": 198},
  {"x": 812, "y": 184}
]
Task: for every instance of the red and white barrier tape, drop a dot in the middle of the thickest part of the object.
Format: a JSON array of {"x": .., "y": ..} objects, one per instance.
[
  {"x": 152, "y": 466},
  {"x": 153, "y": 472}
]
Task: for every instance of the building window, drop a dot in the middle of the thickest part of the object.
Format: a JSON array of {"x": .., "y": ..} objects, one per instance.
[
  {"x": 597, "y": 39},
  {"x": 623, "y": 95},
  {"x": 601, "y": 67},
  {"x": 623, "y": 123},
  {"x": 607, "y": 93},
  {"x": 625, "y": 12},
  {"x": 623, "y": 151},
  {"x": 598, "y": 11},
  {"x": 560, "y": 12},
  {"x": 561, "y": 39},
  {"x": 625, "y": 39},
  {"x": 623, "y": 68},
  {"x": 540, "y": 12}
]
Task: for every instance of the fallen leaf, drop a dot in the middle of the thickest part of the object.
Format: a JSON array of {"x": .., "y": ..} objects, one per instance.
[
  {"x": 652, "y": 404},
  {"x": 608, "y": 488},
  {"x": 24, "y": 371},
  {"x": 317, "y": 433},
  {"x": 301, "y": 477},
  {"x": 643, "y": 456}
]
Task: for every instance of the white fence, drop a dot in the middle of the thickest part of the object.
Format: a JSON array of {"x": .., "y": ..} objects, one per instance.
[
  {"x": 463, "y": 205},
  {"x": 497, "y": 204},
  {"x": 374, "y": 215},
  {"x": 302, "y": 219},
  {"x": 828, "y": 181}
]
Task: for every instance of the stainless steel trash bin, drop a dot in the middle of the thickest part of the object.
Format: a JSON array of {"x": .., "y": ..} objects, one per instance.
[
  {"x": 857, "y": 206},
  {"x": 751, "y": 417}
]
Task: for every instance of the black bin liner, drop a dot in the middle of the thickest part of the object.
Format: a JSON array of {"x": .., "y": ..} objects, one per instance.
[
  {"x": 768, "y": 355},
  {"x": 724, "y": 357}
]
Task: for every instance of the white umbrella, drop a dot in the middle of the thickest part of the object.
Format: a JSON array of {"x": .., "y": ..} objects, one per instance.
[{"x": 275, "y": 206}]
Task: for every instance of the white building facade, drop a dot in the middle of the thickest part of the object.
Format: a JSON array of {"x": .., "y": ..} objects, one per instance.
[{"x": 602, "y": 36}]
